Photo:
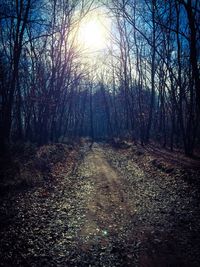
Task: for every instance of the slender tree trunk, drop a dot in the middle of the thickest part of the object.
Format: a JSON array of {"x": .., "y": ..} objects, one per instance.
[{"x": 152, "y": 103}]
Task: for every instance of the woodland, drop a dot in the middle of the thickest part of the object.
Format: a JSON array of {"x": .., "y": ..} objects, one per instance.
[
  {"x": 144, "y": 85},
  {"x": 99, "y": 133}
]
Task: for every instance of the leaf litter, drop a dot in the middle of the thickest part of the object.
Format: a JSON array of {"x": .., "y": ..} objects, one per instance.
[{"x": 109, "y": 209}]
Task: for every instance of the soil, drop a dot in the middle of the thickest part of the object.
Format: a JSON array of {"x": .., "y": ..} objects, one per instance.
[{"x": 116, "y": 208}]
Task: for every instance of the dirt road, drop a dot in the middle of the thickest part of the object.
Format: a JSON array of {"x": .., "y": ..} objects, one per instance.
[
  {"x": 109, "y": 212},
  {"x": 107, "y": 205}
]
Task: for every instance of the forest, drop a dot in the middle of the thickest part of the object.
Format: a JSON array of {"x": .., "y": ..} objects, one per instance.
[
  {"x": 99, "y": 115},
  {"x": 144, "y": 85}
]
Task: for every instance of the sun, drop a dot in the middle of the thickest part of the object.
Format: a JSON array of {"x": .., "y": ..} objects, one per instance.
[{"x": 93, "y": 33}]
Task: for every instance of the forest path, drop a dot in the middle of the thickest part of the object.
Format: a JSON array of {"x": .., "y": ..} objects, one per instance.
[
  {"x": 109, "y": 211},
  {"x": 131, "y": 216},
  {"x": 107, "y": 205}
]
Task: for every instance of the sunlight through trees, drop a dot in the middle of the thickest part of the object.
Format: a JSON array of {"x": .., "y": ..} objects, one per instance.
[{"x": 126, "y": 69}]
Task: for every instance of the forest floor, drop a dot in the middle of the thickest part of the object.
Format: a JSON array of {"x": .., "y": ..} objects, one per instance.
[{"x": 111, "y": 207}]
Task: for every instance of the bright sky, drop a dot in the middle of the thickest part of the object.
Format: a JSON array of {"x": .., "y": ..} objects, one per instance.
[
  {"x": 93, "y": 33},
  {"x": 93, "y": 39}
]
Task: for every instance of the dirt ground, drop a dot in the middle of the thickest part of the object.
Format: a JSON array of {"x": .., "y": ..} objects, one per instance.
[
  {"x": 107, "y": 201},
  {"x": 111, "y": 211}
]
